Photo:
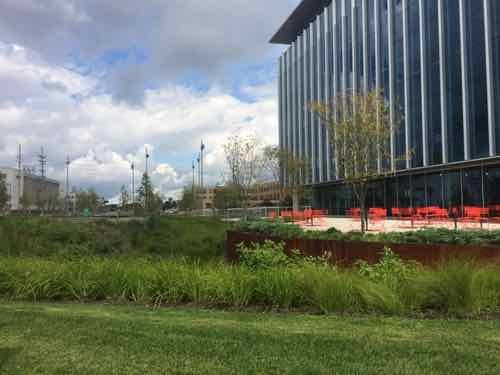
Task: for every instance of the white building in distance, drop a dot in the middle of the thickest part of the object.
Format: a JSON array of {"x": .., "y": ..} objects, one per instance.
[{"x": 29, "y": 191}]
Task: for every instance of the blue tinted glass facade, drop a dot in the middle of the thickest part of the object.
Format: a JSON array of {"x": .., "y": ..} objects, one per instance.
[
  {"x": 431, "y": 62},
  {"x": 433, "y": 89},
  {"x": 400, "y": 131},
  {"x": 478, "y": 104},
  {"x": 495, "y": 42},
  {"x": 453, "y": 81}
]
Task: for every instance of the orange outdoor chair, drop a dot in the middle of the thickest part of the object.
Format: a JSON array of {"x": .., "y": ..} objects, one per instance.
[
  {"x": 377, "y": 216},
  {"x": 475, "y": 215}
]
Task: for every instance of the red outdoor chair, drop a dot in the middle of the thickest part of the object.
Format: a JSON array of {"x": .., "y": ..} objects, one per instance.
[
  {"x": 403, "y": 214},
  {"x": 308, "y": 216},
  {"x": 272, "y": 215},
  {"x": 318, "y": 214},
  {"x": 438, "y": 214},
  {"x": 297, "y": 216},
  {"x": 377, "y": 216},
  {"x": 475, "y": 215},
  {"x": 495, "y": 212},
  {"x": 354, "y": 213}
]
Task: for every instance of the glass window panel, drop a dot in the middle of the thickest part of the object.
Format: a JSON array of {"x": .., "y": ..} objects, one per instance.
[
  {"x": 472, "y": 187},
  {"x": 434, "y": 190},
  {"x": 338, "y": 27},
  {"x": 404, "y": 192},
  {"x": 452, "y": 190},
  {"x": 492, "y": 182},
  {"x": 418, "y": 191},
  {"x": 478, "y": 104},
  {"x": 434, "y": 140},
  {"x": 415, "y": 118},
  {"x": 455, "y": 126},
  {"x": 399, "y": 85},
  {"x": 359, "y": 42},
  {"x": 348, "y": 51},
  {"x": 391, "y": 196},
  {"x": 495, "y": 11},
  {"x": 371, "y": 44},
  {"x": 379, "y": 194}
]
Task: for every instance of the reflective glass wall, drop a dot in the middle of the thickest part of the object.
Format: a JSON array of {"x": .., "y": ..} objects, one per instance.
[
  {"x": 452, "y": 190},
  {"x": 430, "y": 61},
  {"x": 495, "y": 42}
]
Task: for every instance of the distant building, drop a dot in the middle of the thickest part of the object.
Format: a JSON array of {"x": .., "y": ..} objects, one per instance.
[
  {"x": 265, "y": 193},
  {"x": 29, "y": 191},
  {"x": 259, "y": 194},
  {"x": 207, "y": 197}
]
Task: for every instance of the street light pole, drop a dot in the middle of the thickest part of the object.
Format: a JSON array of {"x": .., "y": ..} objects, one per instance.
[
  {"x": 132, "y": 167},
  {"x": 68, "y": 162}
]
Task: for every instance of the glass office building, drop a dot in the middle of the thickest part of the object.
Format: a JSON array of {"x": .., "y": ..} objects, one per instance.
[{"x": 437, "y": 63}]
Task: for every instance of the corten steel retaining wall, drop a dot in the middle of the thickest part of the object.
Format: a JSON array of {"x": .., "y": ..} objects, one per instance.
[{"x": 347, "y": 253}]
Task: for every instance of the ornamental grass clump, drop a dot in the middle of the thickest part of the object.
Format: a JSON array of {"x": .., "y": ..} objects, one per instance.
[{"x": 391, "y": 287}]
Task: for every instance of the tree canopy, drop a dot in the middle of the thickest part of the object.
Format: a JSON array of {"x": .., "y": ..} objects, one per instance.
[{"x": 361, "y": 133}]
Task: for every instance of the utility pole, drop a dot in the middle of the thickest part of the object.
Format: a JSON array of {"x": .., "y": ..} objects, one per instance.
[
  {"x": 202, "y": 149},
  {"x": 68, "y": 162},
  {"x": 146, "y": 188},
  {"x": 193, "y": 173},
  {"x": 19, "y": 176},
  {"x": 199, "y": 171},
  {"x": 42, "y": 159},
  {"x": 132, "y": 167}
]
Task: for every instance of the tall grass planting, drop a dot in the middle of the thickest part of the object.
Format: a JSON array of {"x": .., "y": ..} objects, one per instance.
[
  {"x": 458, "y": 288},
  {"x": 160, "y": 237}
]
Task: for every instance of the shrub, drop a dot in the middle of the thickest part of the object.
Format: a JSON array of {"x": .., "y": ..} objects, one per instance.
[
  {"x": 271, "y": 228},
  {"x": 263, "y": 256},
  {"x": 390, "y": 270}
]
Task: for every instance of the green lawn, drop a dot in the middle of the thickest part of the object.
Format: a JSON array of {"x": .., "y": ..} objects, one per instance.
[{"x": 96, "y": 339}]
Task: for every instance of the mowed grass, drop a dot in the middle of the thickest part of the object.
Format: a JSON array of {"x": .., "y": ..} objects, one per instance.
[{"x": 103, "y": 339}]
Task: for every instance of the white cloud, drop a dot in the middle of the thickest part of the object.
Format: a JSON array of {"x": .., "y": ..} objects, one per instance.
[{"x": 61, "y": 110}]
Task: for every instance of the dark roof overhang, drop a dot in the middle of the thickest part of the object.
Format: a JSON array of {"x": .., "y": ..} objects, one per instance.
[{"x": 304, "y": 14}]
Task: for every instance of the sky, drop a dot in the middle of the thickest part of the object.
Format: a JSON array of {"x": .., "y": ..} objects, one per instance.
[{"x": 99, "y": 81}]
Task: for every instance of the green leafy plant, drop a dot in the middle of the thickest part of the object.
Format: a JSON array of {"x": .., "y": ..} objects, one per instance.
[
  {"x": 390, "y": 270},
  {"x": 263, "y": 256}
]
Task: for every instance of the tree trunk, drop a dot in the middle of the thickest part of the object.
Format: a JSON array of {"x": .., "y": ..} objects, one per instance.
[
  {"x": 362, "y": 216},
  {"x": 295, "y": 200},
  {"x": 363, "y": 211}
]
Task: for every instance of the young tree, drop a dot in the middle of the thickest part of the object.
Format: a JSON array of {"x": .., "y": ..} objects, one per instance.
[
  {"x": 188, "y": 201},
  {"x": 360, "y": 132},
  {"x": 4, "y": 195},
  {"x": 228, "y": 196},
  {"x": 87, "y": 200},
  {"x": 244, "y": 163},
  {"x": 149, "y": 200},
  {"x": 26, "y": 202},
  {"x": 292, "y": 172},
  {"x": 124, "y": 197}
]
